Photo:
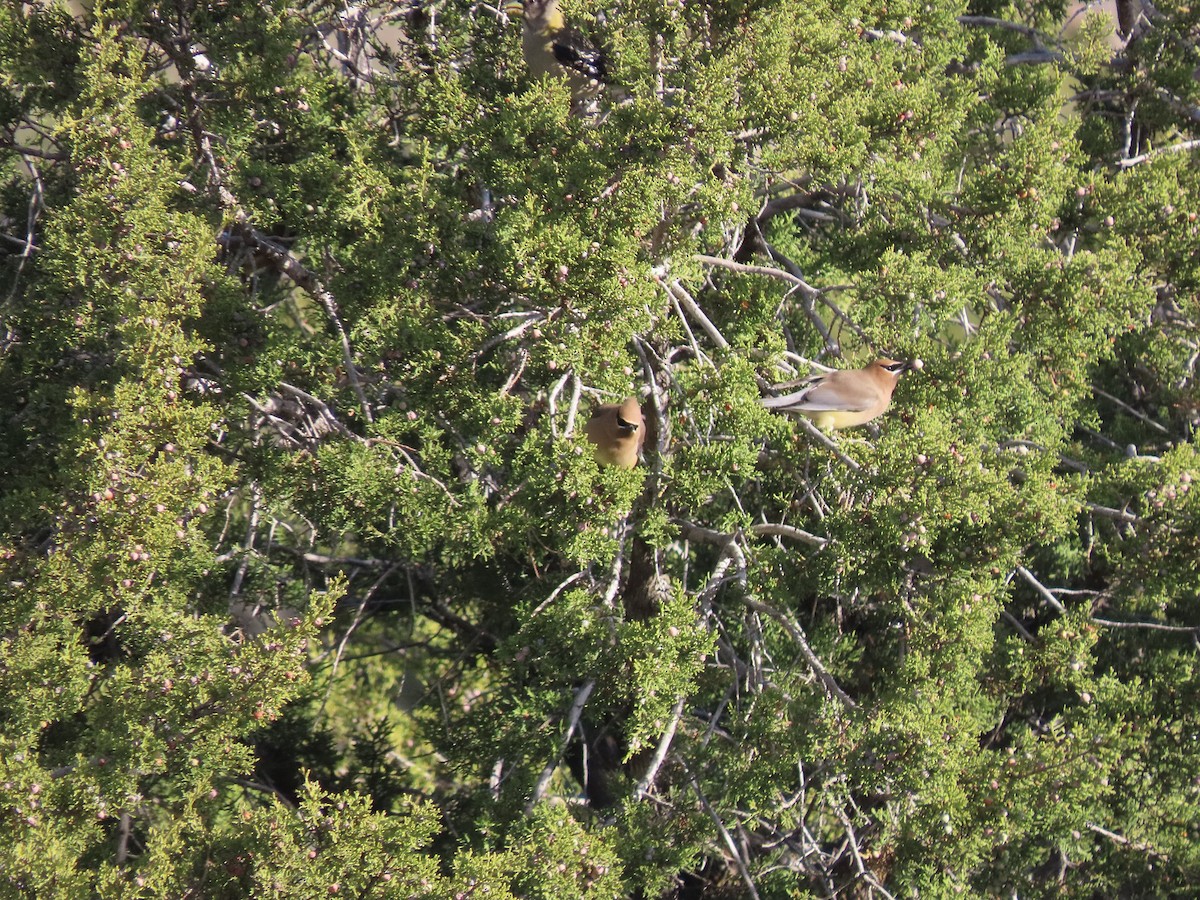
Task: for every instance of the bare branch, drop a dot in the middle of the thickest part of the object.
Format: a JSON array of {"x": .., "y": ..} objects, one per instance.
[
  {"x": 696, "y": 351},
  {"x": 1129, "y": 409},
  {"x": 1042, "y": 590},
  {"x": 34, "y": 212},
  {"x": 618, "y": 563},
  {"x": 552, "y": 401},
  {"x": 327, "y": 415},
  {"x": 731, "y": 551},
  {"x": 814, "y": 432},
  {"x": 1034, "y": 57},
  {"x": 1147, "y": 626},
  {"x": 248, "y": 544},
  {"x": 581, "y": 698},
  {"x": 359, "y": 613},
  {"x": 1108, "y": 512},
  {"x": 1180, "y": 147},
  {"x": 789, "y": 531},
  {"x": 770, "y": 271},
  {"x": 284, "y": 260},
  {"x": 808, "y": 302},
  {"x": 125, "y": 831},
  {"x": 1020, "y": 629},
  {"x": 573, "y": 409},
  {"x": 896, "y": 37},
  {"x": 659, "y": 398},
  {"x": 676, "y": 289},
  {"x": 515, "y": 376},
  {"x": 796, "y": 633},
  {"x": 1005, "y": 25},
  {"x": 558, "y": 590},
  {"x": 531, "y": 319},
  {"x": 863, "y": 872},
  {"x": 660, "y": 754},
  {"x": 738, "y": 861},
  {"x": 1048, "y": 595},
  {"x": 289, "y": 264},
  {"x": 1126, "y": 842}
]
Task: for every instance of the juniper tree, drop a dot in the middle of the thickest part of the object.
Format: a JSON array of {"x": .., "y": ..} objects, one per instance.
[{"x": 313, "y": 585}]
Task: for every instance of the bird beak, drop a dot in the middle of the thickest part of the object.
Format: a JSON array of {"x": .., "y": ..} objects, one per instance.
[{"x": 513, "y": 7}]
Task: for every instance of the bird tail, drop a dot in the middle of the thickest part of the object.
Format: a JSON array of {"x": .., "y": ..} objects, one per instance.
[{"x": 779, "y": 402}]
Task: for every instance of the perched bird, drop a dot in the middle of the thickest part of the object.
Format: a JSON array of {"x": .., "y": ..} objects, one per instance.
[
  {"x": 552, "y": 48},
  {"x": 617, "y": 432},
  {"x": 845, "y": 398}
]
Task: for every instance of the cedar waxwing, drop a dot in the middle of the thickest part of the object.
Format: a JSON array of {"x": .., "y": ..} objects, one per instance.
[
  {"x": 618, "y": 432},
  {"x": 845, "y": 398},
  {"x": 551, "y": 48}
]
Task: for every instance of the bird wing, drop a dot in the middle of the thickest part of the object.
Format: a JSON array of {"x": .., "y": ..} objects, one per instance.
[
  {"x": 828, "y": 393},
  {"x": 600, "y": 423},
  {"x": 573, "y": 52}
]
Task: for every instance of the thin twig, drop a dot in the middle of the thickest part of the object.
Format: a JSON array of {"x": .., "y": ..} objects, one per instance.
[
  {"x": 731, "y": 551},
  {"x": 658, "y": 398},
  {"x": 696, "y": 351},
  {"x": 789, "y": 531},
  {"x": 1024, "y": 632},
  {"x": 248, "y": 544},
  {"x": 1129, "y": 409},
  {"x": 863, "y": 872},
  {"x": 1126, "y": 842},
  {"x": 1042, "y": 590},
  {"x": 1180, "y": 147},
  {"x": 558, "y": 590},
  {"x": 1048, "y": 595},
  {"x": 289, "y": 264},
  {"x": 581, "y": 698},
  {"x": 515, "y": 376},
  {"x": 660, "y": 754},
  {"x": 1147, "y": 626},
  {"x": 614, "y": 582},
  {"x": 552, "y": 401},
  {"x": 796, "y": 633},
  {"x": 573, "y": 409},
  {"x": 532, "y": 318},
  {"x": 814, "y": 432},
  {"x": 358, "y": 617},
  {"x": 740, "y": 863},
  {"x": 770, "y": 271},
  {"x": 677, "y": 290},
  {"x": 1108, "y": 512},
  {"x": 992, "y": 22}
]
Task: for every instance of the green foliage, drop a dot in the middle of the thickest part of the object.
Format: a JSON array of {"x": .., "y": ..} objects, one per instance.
[{"x": 313, "y": 587}]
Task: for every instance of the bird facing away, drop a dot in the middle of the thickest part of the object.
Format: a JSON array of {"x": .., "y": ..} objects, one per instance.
[
  {"x": 617, "y": 432},
  {"x": 551, "y": 48},
  {"x": 847, "y": 397}
]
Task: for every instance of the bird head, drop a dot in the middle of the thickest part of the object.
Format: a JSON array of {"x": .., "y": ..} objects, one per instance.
[
  {"x": 896, "y": 367},
  {"x": 530, "y": 9},
  {"x": 629, "y": 416}
]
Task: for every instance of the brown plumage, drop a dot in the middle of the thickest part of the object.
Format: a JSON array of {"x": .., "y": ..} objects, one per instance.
[
  {"x": 847, "y": 397},
  {"x": 617, "y": 432}
]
